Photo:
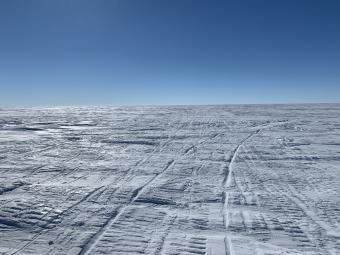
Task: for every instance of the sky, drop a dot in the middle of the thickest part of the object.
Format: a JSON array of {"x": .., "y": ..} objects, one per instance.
[{"x": 160, "y": 52}]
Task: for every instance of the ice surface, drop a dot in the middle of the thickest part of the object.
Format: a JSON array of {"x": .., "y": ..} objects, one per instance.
[{"x": 236, "y": 180}]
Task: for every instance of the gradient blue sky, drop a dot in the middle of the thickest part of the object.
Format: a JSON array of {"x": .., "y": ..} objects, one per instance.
[{"x": 133, "y": 52}]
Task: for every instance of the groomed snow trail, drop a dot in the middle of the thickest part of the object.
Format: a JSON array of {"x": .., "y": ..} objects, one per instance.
[{"x": 235, "y": 180}]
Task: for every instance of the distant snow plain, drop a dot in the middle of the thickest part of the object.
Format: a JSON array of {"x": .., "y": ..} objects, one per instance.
[{"x": 235, "y": 180}]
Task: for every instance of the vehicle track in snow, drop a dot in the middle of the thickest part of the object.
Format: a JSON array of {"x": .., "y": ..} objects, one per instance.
[
  {"x": 135, "y": 195},
  {"x": 170, "y": 180}
]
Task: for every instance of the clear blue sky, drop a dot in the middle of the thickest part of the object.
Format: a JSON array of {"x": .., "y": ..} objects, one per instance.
[{"x": 118, "y": 52}]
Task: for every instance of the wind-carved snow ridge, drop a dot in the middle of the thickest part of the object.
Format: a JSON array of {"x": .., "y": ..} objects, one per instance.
[{"x": 236, "y": 180}]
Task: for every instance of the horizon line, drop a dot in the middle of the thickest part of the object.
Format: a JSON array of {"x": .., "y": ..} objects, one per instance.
[{"x": 162, "y": 105}]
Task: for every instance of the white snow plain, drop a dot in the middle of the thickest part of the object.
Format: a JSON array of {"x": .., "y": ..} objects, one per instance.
[{"x": 235, "y": 180}]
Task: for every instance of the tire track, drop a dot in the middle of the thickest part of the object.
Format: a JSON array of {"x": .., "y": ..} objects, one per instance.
[
  {"x": 89, "y": 246},
  {"x": 92, "y": 242},
  {"x": 292, "y": 195},
  {"x": 160, "y": 249},
  {"x": 96, "y": 238},
  {"x": 228, "y": 173},
  {"x": 59, "y": 215}
]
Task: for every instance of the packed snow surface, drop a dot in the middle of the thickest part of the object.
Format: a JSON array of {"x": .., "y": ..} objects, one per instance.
[{"x": 235, "y": 180}]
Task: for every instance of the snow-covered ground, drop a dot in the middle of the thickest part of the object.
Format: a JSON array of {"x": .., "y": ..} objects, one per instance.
[{"x": 170, "y": 180}]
